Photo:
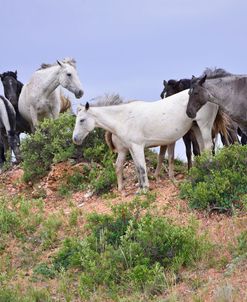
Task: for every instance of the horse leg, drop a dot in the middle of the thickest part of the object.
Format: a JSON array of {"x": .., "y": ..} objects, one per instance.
[
  {"x": 187, "y": 143},
  {"x": 243, "y": 139},
  {"x": 137, "y": 153},
  {"x": 171, "y": 149},
  {"x": 2, "y": 155},
  {"x": 161, "y": 156},
  {"x": 119, "y": 168},
  {"x": 206, "y": 134},
  {"x": 243, "y": 134},
  {"x": 34, "y": 118},
  {"x": 14, "y": 144},
  {"x": 199, "y": 138}
]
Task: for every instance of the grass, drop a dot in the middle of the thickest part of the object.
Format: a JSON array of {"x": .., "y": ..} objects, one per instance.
[{"x": 31, "y": 235}]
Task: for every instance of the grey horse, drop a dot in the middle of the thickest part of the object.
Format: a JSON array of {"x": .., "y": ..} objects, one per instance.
[{"x": 227, "y": 90}]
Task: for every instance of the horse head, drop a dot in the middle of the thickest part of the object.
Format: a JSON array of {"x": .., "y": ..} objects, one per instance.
[
  {"x": 197, "y": 97},
  {"x": 172, "y": 86},
  {"x": 68, "y": 77},
  {"x": 12, "y": 87},
  {"x": 84, "y": 124}
]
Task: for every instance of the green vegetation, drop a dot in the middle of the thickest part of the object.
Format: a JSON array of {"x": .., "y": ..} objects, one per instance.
[
  {"x": 218, "y": 182},
  {"x": 130, "y": 250},
  {"x": 52, "y": 143}
]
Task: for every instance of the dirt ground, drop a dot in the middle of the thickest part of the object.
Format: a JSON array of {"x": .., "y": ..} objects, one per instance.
[{"x": 224, "y": 281}]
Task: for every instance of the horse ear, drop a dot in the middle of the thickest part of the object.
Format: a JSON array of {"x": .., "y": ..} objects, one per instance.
[
  {"x": 16, "y": 72},
  {"x": 165, "y": 83},
  {"x": 59, "y": 63},
  {"x": 202, "y": 80},
  {"x": 87, "y": 106}
]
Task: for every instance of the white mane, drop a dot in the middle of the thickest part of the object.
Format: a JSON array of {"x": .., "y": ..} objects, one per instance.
[
  {"x": 106, "y": 100},
  {"x": 69, "y": 61}
]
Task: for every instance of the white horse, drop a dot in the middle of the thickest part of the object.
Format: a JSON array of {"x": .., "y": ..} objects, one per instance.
[
  {"x": 40, "y": 97},
  {"x": 145, "y": 124}
]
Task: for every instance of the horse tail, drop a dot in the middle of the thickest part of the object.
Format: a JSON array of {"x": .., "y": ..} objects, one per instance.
[
  {"x": 65, "y": 104},
  {"x": 109, "y": 142},
  {"x": 222, "y": 125}
]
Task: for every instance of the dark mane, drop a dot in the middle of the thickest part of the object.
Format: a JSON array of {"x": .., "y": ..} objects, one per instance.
[
  {"x": 215, "y": 73},
  {"x": 172, "y": 82},
  {"x": 9, "y": 73}
]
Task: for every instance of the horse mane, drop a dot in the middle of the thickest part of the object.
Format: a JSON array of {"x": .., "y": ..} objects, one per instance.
[
  {"x": 106, "y": 100},
  {"x": 172, "y": 82},
  {"x": 213, "y": 73},
  {"x": 69, "y": 61},
  {"x": 9, "y": 73}
]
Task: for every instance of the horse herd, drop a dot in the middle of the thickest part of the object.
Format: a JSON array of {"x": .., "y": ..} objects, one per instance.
[{"x": 196, "y": 109}]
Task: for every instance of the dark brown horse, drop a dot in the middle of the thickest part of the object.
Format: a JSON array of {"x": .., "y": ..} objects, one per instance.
[{"x": 171, "y": 87}]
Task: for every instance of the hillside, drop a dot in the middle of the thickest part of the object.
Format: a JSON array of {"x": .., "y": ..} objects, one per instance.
[{"x": 219, "y": 277}]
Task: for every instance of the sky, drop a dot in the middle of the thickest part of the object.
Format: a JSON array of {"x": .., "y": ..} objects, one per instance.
[{"x": 124, "y": 46}]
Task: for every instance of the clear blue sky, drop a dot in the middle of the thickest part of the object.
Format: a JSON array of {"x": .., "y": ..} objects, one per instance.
[{"x": 124, "y": 46}]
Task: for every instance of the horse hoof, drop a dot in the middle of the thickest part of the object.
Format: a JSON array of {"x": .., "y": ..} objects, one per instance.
[{"x": 142, "y": 191}]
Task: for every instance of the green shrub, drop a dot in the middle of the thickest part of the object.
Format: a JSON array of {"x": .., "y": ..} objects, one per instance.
[
  {"x": 218, "y": 182},
  {"x": 44, "y": 270},
  {"x": 8, "y": 294},
  {"x": 51, "y": 142},
  {"x": 242, "y": 243},
  {"x": 130, "y": 249},
  {"x": 9, "y": 219}
]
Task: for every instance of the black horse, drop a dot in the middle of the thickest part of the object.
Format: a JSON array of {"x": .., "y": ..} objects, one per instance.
[
  {"x": 171, "y": 87},
  {"x": 12, "y": 90},
  {"x": 8, "y": 135}
]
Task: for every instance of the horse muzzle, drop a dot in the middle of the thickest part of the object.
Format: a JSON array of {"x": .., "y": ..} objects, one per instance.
[
  {"x": 79, "y": 94},
  {"x": 77, "y": 140},
  {"x": 190, "y": 114}
]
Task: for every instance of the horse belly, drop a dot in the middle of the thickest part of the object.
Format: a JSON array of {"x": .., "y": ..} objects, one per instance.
[{"x": 166, "y": 132}]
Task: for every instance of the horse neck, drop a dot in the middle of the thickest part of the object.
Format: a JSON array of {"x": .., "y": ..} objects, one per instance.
[
  {"x": 46, "y": 80},
  {"x": 107, "y": 117},
  {"x": 218, "y": 91},
  {"x": 19, "y": 88}
]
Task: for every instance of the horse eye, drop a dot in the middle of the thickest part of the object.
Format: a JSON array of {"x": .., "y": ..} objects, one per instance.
[
  {"x": 82, "y": 120},
  {"x": 69, "y": 74}
]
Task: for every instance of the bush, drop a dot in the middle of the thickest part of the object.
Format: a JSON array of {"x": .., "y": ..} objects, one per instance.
[
  {"x": 52, "y": 143},
  {"x": 130, "y": 249},
  {"x": 218, "y": 182},
  {"x": 242, "y": 243}
]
